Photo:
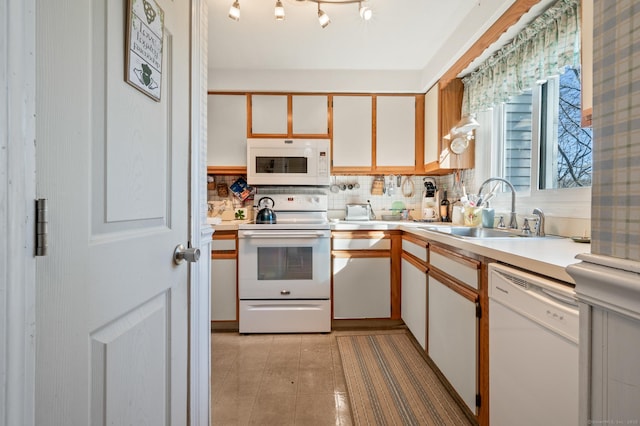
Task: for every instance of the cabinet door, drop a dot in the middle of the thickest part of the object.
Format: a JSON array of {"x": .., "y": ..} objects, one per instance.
[
  {"x": 395, "y": 131},
  {"x": 352, "y": 121},
  {"x": 414, "y": 301},
  {"x": 362, "y": 287},
  {"x": 310, "y": 115},
  {"x": 269, "y": 115},
  {"x": 223, "y": 289},
  {"x": 431, "y": 125},
  {"x": 453, "y": 339},
  {"x": 227, "y": 130}
]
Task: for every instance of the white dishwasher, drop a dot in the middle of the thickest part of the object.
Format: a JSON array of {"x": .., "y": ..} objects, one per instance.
[{"x": 533, "y": 350}]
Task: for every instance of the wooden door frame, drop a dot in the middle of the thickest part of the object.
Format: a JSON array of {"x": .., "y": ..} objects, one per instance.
[{"x": 18, "y": 187}]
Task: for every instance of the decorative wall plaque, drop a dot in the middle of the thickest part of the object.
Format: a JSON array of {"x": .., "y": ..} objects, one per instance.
[{"x": 145, "y": 31}]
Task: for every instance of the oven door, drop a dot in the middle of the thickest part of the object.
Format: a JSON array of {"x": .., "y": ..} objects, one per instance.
[{"x": 284, "y": 264}]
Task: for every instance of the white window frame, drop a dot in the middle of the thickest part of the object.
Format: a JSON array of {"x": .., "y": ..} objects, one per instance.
[{"x": 565, "y": 202}]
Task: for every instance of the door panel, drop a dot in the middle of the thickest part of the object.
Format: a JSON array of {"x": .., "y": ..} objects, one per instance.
[
  {"x": 134, "y": 345},
  {"x": 112, "y": 307}
]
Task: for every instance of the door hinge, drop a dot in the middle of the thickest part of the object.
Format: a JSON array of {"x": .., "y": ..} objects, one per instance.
[
  {"x": 478, "y": 400},
  {"x": 478, "y": 310},
  {"x": 42, "y": 227}
]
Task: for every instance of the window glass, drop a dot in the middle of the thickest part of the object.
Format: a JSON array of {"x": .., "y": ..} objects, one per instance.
[
  {"x": 543, "y": 144},
  {"x": 566, "y": 150},
  {"x": 285, "y": 263},
  {"x": 518, "y": 140}
]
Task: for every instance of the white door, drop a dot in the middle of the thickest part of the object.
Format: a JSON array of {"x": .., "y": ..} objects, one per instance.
[{"x": 112, "y": 308}]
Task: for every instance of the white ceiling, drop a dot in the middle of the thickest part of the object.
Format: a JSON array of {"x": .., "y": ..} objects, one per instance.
[{"x": 406, "y": 46}]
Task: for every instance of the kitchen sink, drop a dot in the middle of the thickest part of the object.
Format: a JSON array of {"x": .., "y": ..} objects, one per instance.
[{"x": 471, "y": 232}]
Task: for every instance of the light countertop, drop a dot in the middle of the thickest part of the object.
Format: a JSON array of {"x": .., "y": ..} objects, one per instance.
[{"x": 545, "y": 256}]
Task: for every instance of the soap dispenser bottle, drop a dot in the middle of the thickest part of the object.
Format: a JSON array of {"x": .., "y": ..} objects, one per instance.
[{"x": 444, "y": 208}]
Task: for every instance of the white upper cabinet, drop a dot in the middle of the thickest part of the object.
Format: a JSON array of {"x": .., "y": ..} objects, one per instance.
[
  {"x": 269, "y": 114},
  {"x": 289, "y": 115},
  {"x": 395, "y": 133},
  {"x": 352, "y": 124},
  {"x": 310, "y": 114},
  {"x": 227, "y": 130},
  {"x": 431, "y": 125}
]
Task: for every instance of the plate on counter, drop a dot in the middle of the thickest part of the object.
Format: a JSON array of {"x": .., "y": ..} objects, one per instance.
[{"x": 581, "y": 239}]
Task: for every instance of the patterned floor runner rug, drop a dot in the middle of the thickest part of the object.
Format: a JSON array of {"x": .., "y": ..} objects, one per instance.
[{"x": 390, "y": 383}]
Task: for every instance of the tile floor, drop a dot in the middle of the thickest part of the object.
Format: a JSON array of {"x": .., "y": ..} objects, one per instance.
[{"x": 281, "y": 379}]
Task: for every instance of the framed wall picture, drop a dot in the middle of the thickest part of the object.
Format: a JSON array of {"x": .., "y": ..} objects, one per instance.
[{"x": 145, "y": 31}]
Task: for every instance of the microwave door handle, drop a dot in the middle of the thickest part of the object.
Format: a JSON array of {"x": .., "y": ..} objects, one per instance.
[{"x": 270, "y": 234}]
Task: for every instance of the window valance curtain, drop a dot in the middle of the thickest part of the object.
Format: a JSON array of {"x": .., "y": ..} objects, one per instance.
[{"x": 544, "y": 48}]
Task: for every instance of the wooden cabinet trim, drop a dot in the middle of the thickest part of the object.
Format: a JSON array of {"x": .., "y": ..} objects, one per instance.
[
  {"x": 454, "y": 285},
  {"x": 419, "y": 264},
  {"x": 472, "y": 263},
  {"x": 227, "y": 170},
  {"x": 360, "y": 253},
  {"x": 225, "y": 235},
  {"x": 350, "y": 235},
  {"x": 224, "y": 254},
  {"x": 422, "y": 242},
  {"x": 508, "y": 19}
]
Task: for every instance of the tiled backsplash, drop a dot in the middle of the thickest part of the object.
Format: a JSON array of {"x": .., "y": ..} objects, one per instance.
[{"x": 410, "y": 192}]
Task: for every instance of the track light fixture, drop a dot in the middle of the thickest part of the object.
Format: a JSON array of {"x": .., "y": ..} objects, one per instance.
[
  {"x": 365, "y": 11},
  {"x": 234, "y": 11},
  {"x": 323, "y": 18},
  {"x": 279, "y": 11}
]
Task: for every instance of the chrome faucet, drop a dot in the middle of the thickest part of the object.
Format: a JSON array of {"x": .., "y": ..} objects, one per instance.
[
  {"x": 539, "y": 230},
  {"x": 513, "y": 222}
]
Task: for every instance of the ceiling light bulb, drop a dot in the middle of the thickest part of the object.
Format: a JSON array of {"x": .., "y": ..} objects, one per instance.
[
  {"x": 365, "y": 12},
  {"x": 323, "y": 18},
  {"x": 279, "y": 11},
  {"x": 234, "y": 11}
]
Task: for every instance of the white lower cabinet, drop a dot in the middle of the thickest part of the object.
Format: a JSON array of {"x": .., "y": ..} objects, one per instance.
[
  {"x": 223, "y": 289},
  {"x": 361, "y": 287},
  {"x": 414, "y": 301},
  {"x": 453, "y": 339}
]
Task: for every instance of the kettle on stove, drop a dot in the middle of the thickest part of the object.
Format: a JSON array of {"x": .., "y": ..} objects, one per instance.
[{"x": 266, "y": 215}]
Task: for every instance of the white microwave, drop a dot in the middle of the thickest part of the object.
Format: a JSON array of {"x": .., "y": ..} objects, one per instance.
[{"x": 288, "y": 162}]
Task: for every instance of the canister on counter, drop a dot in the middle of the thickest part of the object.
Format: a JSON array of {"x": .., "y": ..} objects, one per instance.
[{"x": 488, "y": 217}]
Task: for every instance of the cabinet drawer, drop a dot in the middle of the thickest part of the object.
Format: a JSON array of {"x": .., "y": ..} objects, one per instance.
[
  {"x": 362, "y": 244},
  {"x": 223, "y": 245},
  {"x": 419, "y": 251},
  {"x": 455, "y": 265}
]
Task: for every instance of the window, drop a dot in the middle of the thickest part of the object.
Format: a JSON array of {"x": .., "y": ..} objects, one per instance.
[
  {"x": 535, "y": 142},
  {"x": 542, "y": 143}
]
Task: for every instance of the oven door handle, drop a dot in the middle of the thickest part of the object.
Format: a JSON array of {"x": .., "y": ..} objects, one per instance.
[{"x": 271, "y": 234}]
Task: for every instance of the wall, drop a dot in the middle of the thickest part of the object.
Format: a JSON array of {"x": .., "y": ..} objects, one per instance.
[
  {"x": 381, "y": 204},
  {"x": 616, "y": 124}
]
